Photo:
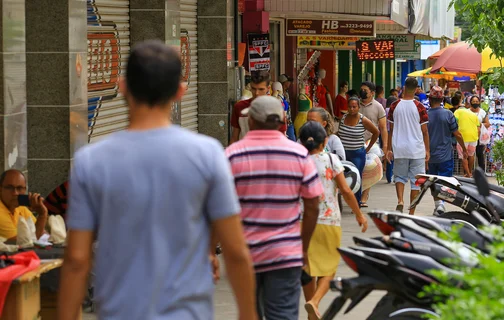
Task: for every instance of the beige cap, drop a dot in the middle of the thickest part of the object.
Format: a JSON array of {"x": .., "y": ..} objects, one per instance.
[{"x": 263, "y": 107}]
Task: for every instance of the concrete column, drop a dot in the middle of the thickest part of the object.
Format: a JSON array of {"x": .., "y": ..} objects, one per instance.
[
  {"x": 215, "y": 67},
  {"x": 56, "y": 88},
  {"x": 156, "y": 19},
  {"x": 13, "y": 148}
]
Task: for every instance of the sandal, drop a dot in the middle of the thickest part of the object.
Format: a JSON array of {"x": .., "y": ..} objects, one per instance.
[
  {"x": 312, "y": 311},
  {"x": 400, "y": 208},
  {"x": 363, "y": 205}
]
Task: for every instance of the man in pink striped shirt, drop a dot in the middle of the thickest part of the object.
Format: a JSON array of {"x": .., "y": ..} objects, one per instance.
[{"x": 272, "y": 174}]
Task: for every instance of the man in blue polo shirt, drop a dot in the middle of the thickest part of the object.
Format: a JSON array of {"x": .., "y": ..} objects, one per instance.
[{"x": 442, "y": 126}]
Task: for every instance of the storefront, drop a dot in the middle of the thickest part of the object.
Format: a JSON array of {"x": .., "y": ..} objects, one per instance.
[
  {"x": 108, "y": 48},
  {"x": 189, "y": 53}
]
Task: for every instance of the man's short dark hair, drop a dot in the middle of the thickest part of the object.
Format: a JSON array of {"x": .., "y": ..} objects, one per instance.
[
  {"x": 411, "y": 84},
  {"x": 455, "y": 100},
  {"x": 370, "y": 85},
  {"x": 154, "y": 73},
  {"x": 392, "y": 91},
  {"x": 257, "y": 77},
  {"x": 437, "y": 100},
  {"x": 379, "y": 89}
]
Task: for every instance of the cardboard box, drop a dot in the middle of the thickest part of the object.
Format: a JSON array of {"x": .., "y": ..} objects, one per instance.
[{"x": 26, "y": 301}]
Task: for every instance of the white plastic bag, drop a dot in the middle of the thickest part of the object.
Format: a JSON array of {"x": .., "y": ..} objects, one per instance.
[
  {"x": 25, "y": 233},
  {"x": 58, "y": 229},
  {"x": 375, "y": 149},
  {"x": 373, "y": 171},
  {"x": 484, "y": 135}
]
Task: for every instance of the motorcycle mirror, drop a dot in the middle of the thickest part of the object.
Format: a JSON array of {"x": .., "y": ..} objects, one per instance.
[{"x": 481, "y": 182}]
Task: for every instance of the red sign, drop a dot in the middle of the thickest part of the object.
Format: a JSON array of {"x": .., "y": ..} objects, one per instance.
[
  {"x": 342, "y": 28},
  {"x": 185, "y": 55},
  {"x": 375, "y": 50},
  {"x": 241, "y": 6},
  {"x": 104, "y": 61}
]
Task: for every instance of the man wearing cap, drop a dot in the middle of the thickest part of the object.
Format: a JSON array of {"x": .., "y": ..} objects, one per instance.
[
  {"x": 271, "y": 174},
  {"x": 408, "y": 141},
  {"x": 442, "y": 125},
  {"x": 286, "y": 81}
]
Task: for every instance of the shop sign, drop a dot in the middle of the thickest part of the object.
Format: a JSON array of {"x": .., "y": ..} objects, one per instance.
[
  {"x": 329, "y": 42},
  {"x": 342, "y": 28},
  {"x": 259, "y": 52},
  {"x": 408, "y": 55},
  {"x": 241, "y": 6},
  {"x": 372, "y": 50},
  {"x": 185, "y": 55},
  {"x": 402, "y": 43}
]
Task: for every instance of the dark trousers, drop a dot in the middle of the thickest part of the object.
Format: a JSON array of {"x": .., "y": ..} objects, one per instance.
[
  {"x": 480, "y": 154},
  {"x": 278, "y": 293},
  {"x": 358, "y": 158}
]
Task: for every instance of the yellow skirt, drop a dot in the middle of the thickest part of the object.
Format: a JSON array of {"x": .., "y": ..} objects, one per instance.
[{"x": 323, "y": 258}]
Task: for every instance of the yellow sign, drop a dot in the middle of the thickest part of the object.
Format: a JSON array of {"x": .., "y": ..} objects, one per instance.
[{"x": 326, "y": 42}]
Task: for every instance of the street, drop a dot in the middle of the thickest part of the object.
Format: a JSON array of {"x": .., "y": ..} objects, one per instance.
[{"x": 382, "y": 197}]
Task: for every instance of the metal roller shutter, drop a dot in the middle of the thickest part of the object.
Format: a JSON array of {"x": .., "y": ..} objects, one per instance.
[
  {"x": 108, "y": 50},
  {"x": 189, "y": 43}
]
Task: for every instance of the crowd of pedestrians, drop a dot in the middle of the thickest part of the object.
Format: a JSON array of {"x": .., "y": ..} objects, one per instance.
[{"x": 271, "y": 202}]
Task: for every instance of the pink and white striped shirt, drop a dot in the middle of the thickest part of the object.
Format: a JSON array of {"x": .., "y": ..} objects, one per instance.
[{"x": 271, "y": 174}]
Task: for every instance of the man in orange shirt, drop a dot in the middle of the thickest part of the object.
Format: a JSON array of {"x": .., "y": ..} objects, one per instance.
[{"x": 13, "y": 184}]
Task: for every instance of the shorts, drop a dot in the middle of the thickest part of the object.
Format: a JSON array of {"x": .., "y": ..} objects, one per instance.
[
  {"x": 408, "y": 169},
  {"x": 471, "y": 149},
  {"x": 444, "y": 169}
]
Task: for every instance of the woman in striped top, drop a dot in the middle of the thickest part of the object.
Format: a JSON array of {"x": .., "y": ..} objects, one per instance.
[{"x": 351, "y": 132}]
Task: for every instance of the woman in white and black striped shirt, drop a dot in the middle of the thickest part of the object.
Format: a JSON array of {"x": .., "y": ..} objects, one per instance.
[{"x": 351, "y": 132}]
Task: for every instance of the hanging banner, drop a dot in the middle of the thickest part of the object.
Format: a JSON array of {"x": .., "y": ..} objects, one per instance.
[
  {"x": 258, "y": 52},
  {"x": 342, "y": 28},
  {"x": 329, "y": 42},
  {"x": 373, "y": 50}
]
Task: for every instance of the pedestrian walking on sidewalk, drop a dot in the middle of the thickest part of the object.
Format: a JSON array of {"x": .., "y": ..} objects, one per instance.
[
  {"x": 323, "y": 257},
  {"x": 408, "y": 141},
  {"x": 334, "y": 144},
  {"x": 154, "y": 211},
  {"x": 272, "y": 174},
  {"x": 389, "y": 166},
  {"x": 352, "y": 134},
  {"x": 442, "y": 126}
]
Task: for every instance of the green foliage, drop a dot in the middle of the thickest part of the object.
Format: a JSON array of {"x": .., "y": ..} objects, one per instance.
[
  {"x": 498, "y": 156},
  {"x": 480, "y": 291},
  {"x": 485, "y": 21}
]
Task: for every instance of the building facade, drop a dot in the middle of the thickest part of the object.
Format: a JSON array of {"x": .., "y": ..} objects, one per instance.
[{"x": 61, "y": 62}]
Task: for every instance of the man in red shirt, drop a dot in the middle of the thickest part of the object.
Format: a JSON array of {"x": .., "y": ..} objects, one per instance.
[{"x": 259, "y": 86}]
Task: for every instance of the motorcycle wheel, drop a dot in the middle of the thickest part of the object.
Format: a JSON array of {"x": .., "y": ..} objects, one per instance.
[
  {"x": 458, "y": 215},
  {"x": 390, "y": 303}
]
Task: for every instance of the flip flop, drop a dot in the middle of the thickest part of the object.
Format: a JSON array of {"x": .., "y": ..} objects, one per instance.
[
  {"x": 363, "y": 205},
  {"x": 400, "y": 208},
  {"x": 312, "y": 311}
]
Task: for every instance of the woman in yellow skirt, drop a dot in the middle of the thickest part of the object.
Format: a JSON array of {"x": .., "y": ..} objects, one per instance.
[{"x": 323, "y": 258}]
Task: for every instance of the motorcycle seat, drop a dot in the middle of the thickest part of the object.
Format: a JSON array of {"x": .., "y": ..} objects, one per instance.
[
  {"x": 496, "y": 201},
  {"x": 471, "y": 181}
]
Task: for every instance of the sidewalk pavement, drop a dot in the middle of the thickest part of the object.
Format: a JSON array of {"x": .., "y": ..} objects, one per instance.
[{"x": 382, "y": 196}]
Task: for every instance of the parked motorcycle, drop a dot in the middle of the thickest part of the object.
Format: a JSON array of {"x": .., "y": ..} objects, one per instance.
[
  {"x": 400, "y": 261},
  {"x": 463, "y": 193}
]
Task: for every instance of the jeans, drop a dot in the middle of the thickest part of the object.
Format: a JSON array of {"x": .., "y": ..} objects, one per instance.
[
  {"x": 444, "y": 169},
  {"x": 389, "y": 171},
  {"x": 358, "y": 158},
  {"x": 278, "y": 294},
  {"x": 291, "y": 134}
]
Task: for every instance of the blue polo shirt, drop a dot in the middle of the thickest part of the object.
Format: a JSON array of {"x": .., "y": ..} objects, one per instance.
[{"x": 442, "y": 125}]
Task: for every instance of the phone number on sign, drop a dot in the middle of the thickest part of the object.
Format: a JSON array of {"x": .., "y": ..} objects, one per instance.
[{"x": 361, "y": 26}]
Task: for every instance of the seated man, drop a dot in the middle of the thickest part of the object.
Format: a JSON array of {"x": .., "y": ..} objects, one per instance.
[
  {"x": 56, "y": 201},
  {"x": 13, "y": 184}
]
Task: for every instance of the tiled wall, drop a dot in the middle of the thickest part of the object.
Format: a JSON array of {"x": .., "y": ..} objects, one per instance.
[
  {"x": 56, "y": 86},
  {"x": 13, "y": 143},
  {"x": 215, "y": 52}
]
